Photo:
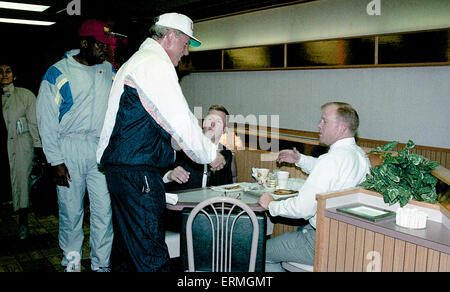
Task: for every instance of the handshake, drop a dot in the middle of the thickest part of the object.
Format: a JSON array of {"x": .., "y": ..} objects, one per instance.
[{"x": 181, "y": 176}]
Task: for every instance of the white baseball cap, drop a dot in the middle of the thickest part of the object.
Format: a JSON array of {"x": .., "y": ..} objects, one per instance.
[{"x": 180, "y": 22}]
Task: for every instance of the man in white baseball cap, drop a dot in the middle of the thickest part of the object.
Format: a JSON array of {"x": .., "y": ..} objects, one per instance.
[
  {"x": 180, "y": 22},
  {"x": 147, "y": 117}
]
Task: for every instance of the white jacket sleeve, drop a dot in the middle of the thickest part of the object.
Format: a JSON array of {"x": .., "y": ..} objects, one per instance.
[
  {"x": 48, "y": 124},
  {"x": 161, "y": 96}
]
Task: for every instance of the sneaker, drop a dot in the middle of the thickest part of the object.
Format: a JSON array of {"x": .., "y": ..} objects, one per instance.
[
  {"x": 23, "y": 232},
  {"x": 102, "y": 270},
  {"x": 76, "y": 268}
]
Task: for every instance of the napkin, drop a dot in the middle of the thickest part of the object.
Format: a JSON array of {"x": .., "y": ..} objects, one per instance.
[
  {"x": 411, "y": 218},
  {"x": 171, "y": 198}
]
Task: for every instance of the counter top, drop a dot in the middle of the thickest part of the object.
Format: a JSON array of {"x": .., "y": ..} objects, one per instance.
[{"x": 435, "y": 236}]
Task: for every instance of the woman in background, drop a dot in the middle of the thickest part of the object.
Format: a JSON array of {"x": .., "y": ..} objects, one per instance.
[{"x": 19, "y": 135}]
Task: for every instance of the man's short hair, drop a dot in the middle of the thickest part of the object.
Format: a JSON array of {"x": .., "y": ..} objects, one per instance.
[
  {"x": 347, "y": 113},
  {"x": 220, "y": 108},
  {"x": 158, "y": 32}
]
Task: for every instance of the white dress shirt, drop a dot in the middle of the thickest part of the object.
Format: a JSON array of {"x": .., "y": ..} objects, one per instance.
[{"x": 344, "y": 166}]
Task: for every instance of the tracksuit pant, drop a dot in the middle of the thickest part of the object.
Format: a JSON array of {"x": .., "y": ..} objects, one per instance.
[
  {"x": 138, "y": 201},
  {"x": 83, "y": 169}
]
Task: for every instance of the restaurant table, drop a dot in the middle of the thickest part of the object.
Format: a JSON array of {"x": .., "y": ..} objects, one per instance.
[{"x": 190, "y": 198}]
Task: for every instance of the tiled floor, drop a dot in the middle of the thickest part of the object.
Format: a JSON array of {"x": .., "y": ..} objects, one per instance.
[{"x": 40, "y": 251}]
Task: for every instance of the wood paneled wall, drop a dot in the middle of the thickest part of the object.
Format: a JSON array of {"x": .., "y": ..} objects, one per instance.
[
  {"x": 246, "y": 159},
  {"x": 441, "y": 155},
  {"x": 354, "y": 249},
  {"x": 309, "y": 142}
]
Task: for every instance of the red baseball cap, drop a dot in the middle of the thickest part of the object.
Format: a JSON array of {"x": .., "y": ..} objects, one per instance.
[{"x": 98, "y": 29}]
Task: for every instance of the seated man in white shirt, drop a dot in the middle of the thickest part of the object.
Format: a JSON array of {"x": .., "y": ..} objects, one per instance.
[{"x": 344, "y": 166}]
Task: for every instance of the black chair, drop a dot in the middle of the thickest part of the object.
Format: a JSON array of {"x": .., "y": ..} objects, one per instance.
[{"x": 223, "y": 234}]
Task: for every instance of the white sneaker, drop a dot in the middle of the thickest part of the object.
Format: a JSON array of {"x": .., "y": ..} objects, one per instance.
[
  {"x": 75, "y": 268},
  {"x": 103, "y": 270}
]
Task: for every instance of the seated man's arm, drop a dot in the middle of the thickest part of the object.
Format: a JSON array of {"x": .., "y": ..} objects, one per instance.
[
  {"x": 178, "y": 174},
  {"x": 306, "y": 163},
  {"x": 304, "y": 205}
]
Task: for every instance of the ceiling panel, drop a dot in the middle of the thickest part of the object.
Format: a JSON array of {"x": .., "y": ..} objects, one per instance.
[
  {"x": 145, "y": 10},
  {"x": 34, "y": 48}
]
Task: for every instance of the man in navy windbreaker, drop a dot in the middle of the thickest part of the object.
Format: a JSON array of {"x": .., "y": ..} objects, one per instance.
[{"x": 147, "y": 118}]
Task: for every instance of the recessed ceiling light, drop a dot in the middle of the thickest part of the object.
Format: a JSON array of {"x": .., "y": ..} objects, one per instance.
[
  {"x": 23, "y": 6},
  {"x": 26, "y": 21}
]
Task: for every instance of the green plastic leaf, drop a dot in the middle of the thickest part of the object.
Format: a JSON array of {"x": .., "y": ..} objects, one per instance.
[
  {"x": 429, "y": 179},
  {"x": 410, "y": 145},
  {"x": 390, "y": 146},
  {"x": 385, "y": 148},
  {"x": 402, "y": 176},
  {"x": 415, "y": 159},
  {"x": 429, "y": 198}
]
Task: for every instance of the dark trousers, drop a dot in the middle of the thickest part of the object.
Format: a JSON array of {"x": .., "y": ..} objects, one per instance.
[{"x": 138, "y": 204}]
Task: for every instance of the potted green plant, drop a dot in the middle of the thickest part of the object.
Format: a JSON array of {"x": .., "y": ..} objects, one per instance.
[{"x": 402, "y": 176}]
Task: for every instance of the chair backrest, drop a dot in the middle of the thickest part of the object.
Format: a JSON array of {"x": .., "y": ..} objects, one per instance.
[{"x": 222, "y": 214}]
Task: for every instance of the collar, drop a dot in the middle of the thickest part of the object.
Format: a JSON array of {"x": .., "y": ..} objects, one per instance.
[
  {"x": 343, "y": 142},
  {"x": 151, "y": 44},
  {"x": 69, "y": 56},
  {"x": 8, "y": 89}
]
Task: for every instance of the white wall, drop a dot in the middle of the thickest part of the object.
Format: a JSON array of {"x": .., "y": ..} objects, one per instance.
[
  {"x": 322, "y": 19},
  {"x": 393, "y": 103}
]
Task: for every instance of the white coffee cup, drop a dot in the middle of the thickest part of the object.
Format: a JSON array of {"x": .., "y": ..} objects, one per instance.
[
  {"x": 260, "y": 174},
  {"x": 282, "y": 179}
]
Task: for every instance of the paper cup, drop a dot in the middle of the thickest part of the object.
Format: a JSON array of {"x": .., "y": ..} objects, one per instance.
[{"x": 282, "y": 179}]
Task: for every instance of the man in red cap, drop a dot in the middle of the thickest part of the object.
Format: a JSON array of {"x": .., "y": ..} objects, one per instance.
[
  {"x": 95, "y": 37},
  {"x": 71, "y": 106}
]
